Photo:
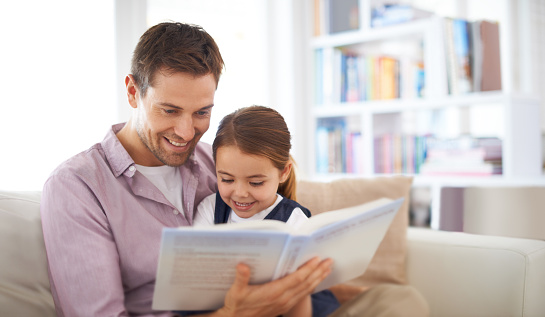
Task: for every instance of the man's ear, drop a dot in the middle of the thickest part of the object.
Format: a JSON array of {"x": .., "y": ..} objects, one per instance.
[
  {"x": 285, "y": 172},
  {"x": 132, "y": 90}
]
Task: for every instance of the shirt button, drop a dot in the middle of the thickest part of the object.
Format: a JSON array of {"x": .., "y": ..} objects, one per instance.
[
  {"x": 175, "y": 211},
  {"x": 132, "y": 168}
]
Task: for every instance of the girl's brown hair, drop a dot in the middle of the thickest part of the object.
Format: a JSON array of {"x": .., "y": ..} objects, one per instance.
[{"x": 262, "y": 131}]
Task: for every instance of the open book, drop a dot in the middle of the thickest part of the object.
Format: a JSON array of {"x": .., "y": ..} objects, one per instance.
[{"x": 197, "y": 264}]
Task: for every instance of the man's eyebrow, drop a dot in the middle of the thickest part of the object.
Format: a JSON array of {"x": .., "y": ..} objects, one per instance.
[{"x": 168, "y": 104}]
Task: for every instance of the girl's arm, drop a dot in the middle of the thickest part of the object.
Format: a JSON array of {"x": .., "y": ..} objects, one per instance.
[{"x": 205, "y": 211}]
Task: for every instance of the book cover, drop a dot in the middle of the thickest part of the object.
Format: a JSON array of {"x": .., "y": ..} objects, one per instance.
[
  {"x": 343, "y": 15},
  {"x": 462, "y": 49},
  {"x": 491, "y": 62},
  {"x": 390, "y": 14},
  {"x": 322, "y": 149}
]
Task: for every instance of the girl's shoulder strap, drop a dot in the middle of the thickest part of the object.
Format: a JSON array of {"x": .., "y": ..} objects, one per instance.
[{"x": 222, "y": 210}]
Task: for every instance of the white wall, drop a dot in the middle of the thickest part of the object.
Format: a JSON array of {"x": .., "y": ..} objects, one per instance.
[
  {"x": 56, "y": 85},
  {"x": 63, "y": 65}
]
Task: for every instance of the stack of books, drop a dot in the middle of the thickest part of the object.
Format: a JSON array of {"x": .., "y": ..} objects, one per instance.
[{"x": 464, "y": 156}]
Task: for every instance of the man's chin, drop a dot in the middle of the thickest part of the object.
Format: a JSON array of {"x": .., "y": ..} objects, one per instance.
[
  {"x": 174, "y": 159},
  {"x": 175, "y": 162}
]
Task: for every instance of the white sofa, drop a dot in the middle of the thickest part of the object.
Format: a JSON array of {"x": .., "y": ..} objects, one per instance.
[{"x": 459, "y": 274}]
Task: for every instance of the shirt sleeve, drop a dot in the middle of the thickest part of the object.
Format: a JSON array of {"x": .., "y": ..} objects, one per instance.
[
  {"x": 205, "y": 211},
  {"x": 297, "y": 218},
  {"x": 84, "y": 266}
]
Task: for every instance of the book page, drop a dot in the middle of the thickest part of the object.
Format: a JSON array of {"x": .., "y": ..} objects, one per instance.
[
  {"x": 265, "y": 224},
  {"x": 197, "y": 267},
  {"x": 329, "y": 217},
  {"x": 351, "y": 242}
]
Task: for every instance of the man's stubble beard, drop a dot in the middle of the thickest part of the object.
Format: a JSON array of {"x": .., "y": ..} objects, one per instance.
[{"x": 161, "y": 154}]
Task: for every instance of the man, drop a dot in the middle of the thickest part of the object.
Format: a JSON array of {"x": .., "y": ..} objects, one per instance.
[{"x": 103, "y": 210}]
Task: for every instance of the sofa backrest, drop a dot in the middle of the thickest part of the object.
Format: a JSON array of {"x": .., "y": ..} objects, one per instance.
[
  {"x": 24, "y": 282},
  {"x": 388, "y": 264}
]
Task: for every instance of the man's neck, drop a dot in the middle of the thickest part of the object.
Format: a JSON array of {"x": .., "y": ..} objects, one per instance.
[{"x": 128, "y": 137}]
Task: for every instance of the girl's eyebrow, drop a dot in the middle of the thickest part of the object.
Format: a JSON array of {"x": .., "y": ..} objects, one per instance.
[
  {"x": 222, "y": 172},
  {"x": 251, "y": 176}
]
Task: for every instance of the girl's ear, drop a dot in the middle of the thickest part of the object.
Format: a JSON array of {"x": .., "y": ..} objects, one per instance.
[{"x": 286, "y": 172}]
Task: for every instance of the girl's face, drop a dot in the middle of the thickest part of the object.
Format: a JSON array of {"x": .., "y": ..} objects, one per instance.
[{"x": 247, "y": 183}]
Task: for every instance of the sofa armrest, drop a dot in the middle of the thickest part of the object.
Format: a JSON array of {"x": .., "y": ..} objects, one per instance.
[{"x": 463, "y": 274}]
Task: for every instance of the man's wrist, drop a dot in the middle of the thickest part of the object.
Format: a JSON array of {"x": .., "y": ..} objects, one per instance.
[{"x": 224, "y": 312}]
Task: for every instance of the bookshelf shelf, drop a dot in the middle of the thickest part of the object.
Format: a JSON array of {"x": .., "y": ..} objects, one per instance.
[
  {"x": 415, "y": 28},
  {"x": 385, "y": 135},
  {"x": 488, "y": 98}
]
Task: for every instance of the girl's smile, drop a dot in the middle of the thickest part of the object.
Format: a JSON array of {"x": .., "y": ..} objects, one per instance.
[{"x": 247, "y": 183}]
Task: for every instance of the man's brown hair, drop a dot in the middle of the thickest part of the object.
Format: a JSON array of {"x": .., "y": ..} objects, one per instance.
[{"x": 175, "y": 47}]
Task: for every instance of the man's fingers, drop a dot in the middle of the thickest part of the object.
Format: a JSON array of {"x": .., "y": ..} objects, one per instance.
[
  {"x": 315, "y": 268},
  {"x": 308, "y": 276},
  {"x": 242, "y": 278}
]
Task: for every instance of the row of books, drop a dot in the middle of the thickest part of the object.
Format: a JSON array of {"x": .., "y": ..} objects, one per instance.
[
  {"x": 338, "y": 149},
  {"x": 343, "y": 76},
  {"x": 463, "y": 156},
  {"x": 472, "y": 64},
  {"x": 395, "y": 153},
  {"x": 391, "y": 14},
  {"x": 472, "y": 55},
  {"x": 333, "y": 16}
]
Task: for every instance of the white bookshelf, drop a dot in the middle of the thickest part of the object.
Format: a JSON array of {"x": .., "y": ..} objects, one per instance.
[{"x": 516, "y": 116}]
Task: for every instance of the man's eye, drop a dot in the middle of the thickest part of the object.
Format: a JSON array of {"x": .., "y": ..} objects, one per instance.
[
  {"x": 256, "y": 183},
  {"x": 169, "y": 111},
  {"x": 228, "y": 181},
  {"x": 203, "y": 113}
]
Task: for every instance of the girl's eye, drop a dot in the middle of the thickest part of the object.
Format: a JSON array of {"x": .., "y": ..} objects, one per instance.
[
  {"x": 228, "y": 181},
  {"x": 256, "y": 183}
]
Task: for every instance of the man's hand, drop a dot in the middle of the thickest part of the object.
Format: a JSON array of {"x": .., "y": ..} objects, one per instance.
[{"x": 276, "y": 297}]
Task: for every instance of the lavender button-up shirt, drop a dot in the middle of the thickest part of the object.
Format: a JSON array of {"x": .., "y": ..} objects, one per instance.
[{"x": 102, "y": 223}]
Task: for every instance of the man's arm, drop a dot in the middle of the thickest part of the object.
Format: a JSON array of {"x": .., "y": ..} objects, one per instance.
[
  {"x": 273, "y": 298},
  {"x": 83, "y": 257}
]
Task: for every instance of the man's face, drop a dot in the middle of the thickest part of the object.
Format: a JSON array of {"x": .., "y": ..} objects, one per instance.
[{"x": 171, "y": 118}]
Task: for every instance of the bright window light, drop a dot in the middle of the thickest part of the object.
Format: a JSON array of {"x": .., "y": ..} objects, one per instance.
[{"x": 57, "y": 86}]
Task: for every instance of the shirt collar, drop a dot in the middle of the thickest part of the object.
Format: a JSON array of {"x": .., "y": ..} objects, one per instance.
[{"x": 119, "y": 159}]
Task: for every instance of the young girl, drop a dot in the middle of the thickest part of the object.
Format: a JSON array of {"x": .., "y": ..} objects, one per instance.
[{"x": 256, "y": 181}]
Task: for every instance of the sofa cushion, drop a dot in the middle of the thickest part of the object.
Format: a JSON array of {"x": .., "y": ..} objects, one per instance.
[
  {"x": 463, "y": 274},
  {"x": 388, "y": 264},
  {"x": 24, "y": 282}
]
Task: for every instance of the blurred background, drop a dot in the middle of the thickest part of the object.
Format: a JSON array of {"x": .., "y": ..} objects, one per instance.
[{"x": 63, "y": 64}]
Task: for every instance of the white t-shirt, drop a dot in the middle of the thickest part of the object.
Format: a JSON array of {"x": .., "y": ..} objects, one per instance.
[
  {"x": 205, "y": 213},
  {"x": 168, "y": 180}
]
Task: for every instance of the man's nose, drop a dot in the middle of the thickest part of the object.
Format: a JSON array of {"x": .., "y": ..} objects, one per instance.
[{"x": 185, "y": 128}]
